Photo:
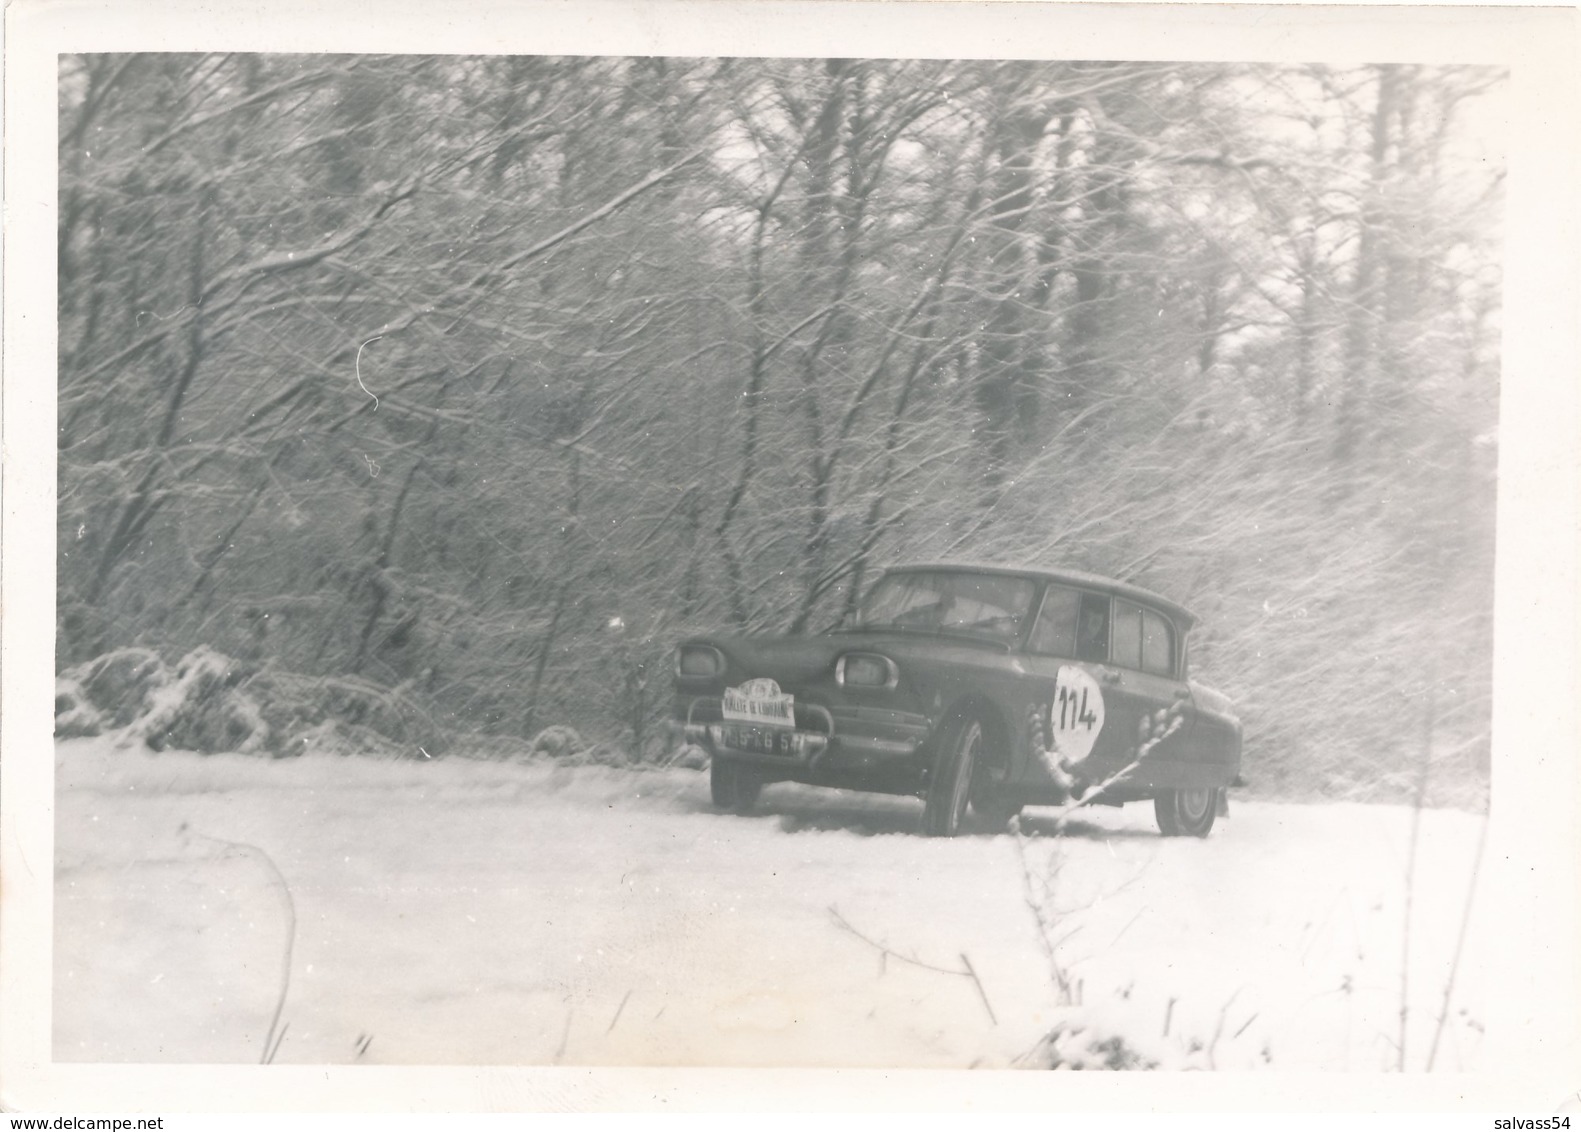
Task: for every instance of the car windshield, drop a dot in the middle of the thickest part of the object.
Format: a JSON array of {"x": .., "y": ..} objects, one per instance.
[{"x": 948, "y": 600}]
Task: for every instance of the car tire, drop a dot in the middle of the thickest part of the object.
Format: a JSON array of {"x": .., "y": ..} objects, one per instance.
[
  {"x": 1187, "y": 813},
  {"x": 733, "y": 787},
  {"x": 950, "y": 783},
  {"x": 995, "y": 814}
]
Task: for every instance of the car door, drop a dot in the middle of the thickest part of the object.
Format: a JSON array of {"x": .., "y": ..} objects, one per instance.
[
  {"x": 1142, "y": 680},
  {"x": 1068, "y": 651}
]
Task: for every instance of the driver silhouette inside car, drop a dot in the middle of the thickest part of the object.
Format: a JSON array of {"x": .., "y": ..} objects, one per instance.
[{"x": 1092, "y": 632}]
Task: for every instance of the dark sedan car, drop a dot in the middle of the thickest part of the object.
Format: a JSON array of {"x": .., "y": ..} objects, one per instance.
[{"x": 971, "y": 686}]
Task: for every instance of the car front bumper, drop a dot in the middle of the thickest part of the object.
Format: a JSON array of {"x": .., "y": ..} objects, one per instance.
[{"x": 834, "y": 738}]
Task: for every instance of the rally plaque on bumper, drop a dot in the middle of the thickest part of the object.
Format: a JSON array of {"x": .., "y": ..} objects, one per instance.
[{"x": 759, "y": 702}]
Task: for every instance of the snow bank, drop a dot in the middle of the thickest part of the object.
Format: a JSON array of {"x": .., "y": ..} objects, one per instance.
[{"x": 214, "y": 704}]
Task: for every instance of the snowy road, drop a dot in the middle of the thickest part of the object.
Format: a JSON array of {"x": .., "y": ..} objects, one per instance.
[{"x": 460, "y": 911}]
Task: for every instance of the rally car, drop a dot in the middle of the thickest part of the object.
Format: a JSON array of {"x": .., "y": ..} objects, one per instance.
[{"x": 981, "y": 689}]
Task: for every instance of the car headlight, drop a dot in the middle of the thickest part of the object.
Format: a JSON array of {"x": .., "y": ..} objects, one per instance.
[
  {"x": 865, "y": 670},
  {"x": 699, "y": 661}
]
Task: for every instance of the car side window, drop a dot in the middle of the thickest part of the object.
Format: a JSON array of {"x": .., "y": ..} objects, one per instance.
[
  {"x": 1055, "y": 631},
  {"x": 1127, "y": 634},
  {"x": 1158, "y": 644},
  {"x": 1092, "y": 630},
  {"x": 1143, "y": 639},
  {"x": 1073, "y": 624}
]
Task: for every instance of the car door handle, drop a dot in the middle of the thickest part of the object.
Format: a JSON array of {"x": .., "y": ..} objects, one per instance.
[
  {"x": 1182, "y": 694},
  {"x": 1110, "y": 676}
]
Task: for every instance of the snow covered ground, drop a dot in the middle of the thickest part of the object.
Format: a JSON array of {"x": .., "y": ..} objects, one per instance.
[{"x": 462, "y": 911}]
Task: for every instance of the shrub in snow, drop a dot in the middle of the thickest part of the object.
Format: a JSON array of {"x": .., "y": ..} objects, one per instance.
[
  {"x": 1071, "y": 1045},
  {"x": 210, "y": 703},
  {"x": 203, "y": 709},
  {"x": 112, "y": 690},
  {"x": 499, "y": 748},
  {"x": 608, "y": 754},
  {"x": 344, "y": 715},
  {"x": 669, "y": 748},
  {"x": 333, "y": 737},
  {"x": 75, "y": 714},
  {"x": 691, "y": 756},
  {"x": 1142, "y": 1029},
  {"x": 198, "y": 706},
  {"x": 557, "y": 742}
]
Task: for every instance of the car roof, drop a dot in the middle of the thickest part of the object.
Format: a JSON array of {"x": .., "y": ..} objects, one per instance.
[{"x": 1183, "y": 617}]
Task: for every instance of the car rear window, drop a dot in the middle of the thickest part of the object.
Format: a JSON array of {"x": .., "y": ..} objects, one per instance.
[
  {"x": 1158, "y": 644},
  {"x": 1143, "y": 639}
]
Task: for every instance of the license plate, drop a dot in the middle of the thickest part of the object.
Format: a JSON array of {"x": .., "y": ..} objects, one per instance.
[{"x": 763, "y": 740}]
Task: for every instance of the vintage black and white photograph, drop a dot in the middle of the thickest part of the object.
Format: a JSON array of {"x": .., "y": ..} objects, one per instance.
[{"x": 776, "y": 561}]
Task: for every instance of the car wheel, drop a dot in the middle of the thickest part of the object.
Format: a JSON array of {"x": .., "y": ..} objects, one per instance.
[
  {"x": 733, "y": 786},
  {"x": 950, "y": 784},
  {"x": 995, "y": 813},
  {"x": 1186, "y": 813}
]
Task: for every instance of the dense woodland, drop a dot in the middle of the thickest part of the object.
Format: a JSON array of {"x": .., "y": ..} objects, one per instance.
[{"x": 475, "y": 382}]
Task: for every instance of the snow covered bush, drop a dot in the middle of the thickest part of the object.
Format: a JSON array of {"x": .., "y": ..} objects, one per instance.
[
  {"x": 1070, "y": 1045},
  {"x": 335, "y": 737},
  {"x": 1128, "y": 1028},
  {"x": 690, "y": 756},
  {"x": 197, "y": 706},
  {"x": 343, "y": 715},
  {"x": 212, "y": 703},
  {"x": 109, "y": 691},
  {"x": 202, "y": 708},
  {"x": 558, "y": 743},
  {"x": 1134, "y": 1028},
  {"x": 75, "y": 714},
  {"x": 566, "y": 745}
]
